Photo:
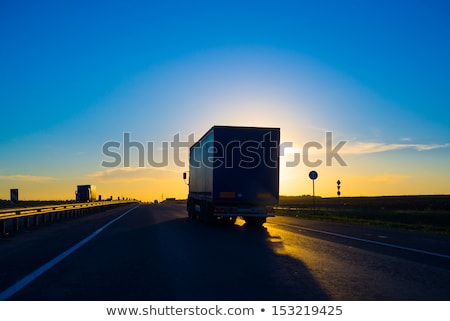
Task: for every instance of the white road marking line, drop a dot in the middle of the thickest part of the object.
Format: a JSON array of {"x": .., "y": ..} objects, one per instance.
[
  {"x": 19, "y": 285},
  {"x": 367, "y": 241}
]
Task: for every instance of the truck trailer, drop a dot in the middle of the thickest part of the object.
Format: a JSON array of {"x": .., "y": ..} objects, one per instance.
[
  {"x": 86, "y": 193},
  {"x": 234, "y": 172}
]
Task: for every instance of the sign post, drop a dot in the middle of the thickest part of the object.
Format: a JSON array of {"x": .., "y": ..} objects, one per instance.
[
  {"x": 338, "y": 194},
  {"x": 313, "y": 176}
]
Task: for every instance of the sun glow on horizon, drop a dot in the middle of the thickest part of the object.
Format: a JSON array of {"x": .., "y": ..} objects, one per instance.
[{"x": 257, "y": 87}]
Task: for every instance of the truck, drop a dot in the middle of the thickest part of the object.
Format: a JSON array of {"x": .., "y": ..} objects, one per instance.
[
  {"x": 86, "y": 193},
  {"x": 234, "y": 172}
]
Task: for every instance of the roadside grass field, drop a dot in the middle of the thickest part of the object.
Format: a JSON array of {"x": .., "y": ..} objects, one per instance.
[
  {"x": 421, "y": 213},
  {"x": 4, "y": 204}
]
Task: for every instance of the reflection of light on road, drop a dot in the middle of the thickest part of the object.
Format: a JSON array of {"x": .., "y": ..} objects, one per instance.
[
  {"x": 368, "y": 241},
  {"x": 307, "y": 252},
  {"x": 240, "y": 222},
  {"x": 282, "y": 242},
  {"x": 295, "y": 245}
]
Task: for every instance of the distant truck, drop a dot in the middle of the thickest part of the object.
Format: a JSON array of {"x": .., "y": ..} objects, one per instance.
[
  {"x": 86, "y": 193},
  {"x": 234, "y": 172}
]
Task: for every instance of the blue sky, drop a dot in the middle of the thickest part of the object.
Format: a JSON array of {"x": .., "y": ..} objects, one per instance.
[{"x": 76, "y": 74}]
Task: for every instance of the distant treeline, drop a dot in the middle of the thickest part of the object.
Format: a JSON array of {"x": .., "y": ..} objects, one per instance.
[
  {"x": 7, "y": 204},
  {"x": 420, "y": 202},
  {"x": 417, "y": 202}
]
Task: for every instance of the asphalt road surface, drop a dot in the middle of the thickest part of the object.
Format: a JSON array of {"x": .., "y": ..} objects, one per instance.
[{"x": 154, "y": 252}]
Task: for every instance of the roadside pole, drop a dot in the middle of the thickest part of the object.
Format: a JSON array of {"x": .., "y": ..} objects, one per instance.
[{"x": 313, "y": 176}]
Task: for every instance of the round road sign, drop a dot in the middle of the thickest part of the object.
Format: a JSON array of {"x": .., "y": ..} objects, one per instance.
[{"x": 313, "y": 175}]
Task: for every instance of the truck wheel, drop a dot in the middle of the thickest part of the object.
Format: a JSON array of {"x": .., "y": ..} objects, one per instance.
[
  {"x": 191, "y": 209},
  {"x": 204, "y": 211},
  {"x": 191, "y": 213}
]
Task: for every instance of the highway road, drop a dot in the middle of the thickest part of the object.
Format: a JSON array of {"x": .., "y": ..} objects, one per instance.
[{"x": 154, "y": 252}]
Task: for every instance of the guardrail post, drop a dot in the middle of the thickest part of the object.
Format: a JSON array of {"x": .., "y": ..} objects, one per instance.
[
  {"x": 27, "y": 222},
  {"x": 3, "y": 227},
  {"x": 16, "y": 224}
]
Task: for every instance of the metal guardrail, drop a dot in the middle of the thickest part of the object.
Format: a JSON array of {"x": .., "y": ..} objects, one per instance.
[{"x": 12, "y": 220}]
